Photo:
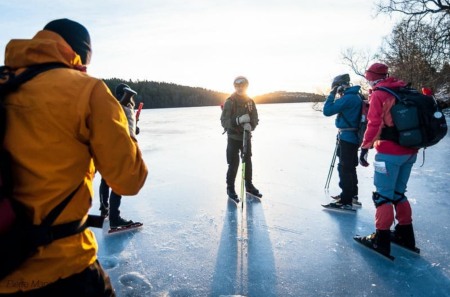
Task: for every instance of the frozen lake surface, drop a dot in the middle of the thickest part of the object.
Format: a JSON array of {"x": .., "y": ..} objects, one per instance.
[{"x": 195, "y": 242}]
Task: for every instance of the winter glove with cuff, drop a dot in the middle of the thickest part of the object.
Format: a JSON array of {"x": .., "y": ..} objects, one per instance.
[
  {"x": 243, "y": 119},
  {"x": 363, "y": 157},
  {"x": 247, "y": 127}
]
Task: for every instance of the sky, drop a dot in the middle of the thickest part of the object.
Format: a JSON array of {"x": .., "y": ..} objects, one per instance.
[{"x": 282, "y": 45}]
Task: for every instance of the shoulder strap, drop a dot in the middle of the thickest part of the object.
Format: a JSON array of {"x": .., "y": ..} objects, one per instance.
[{"x": 389, "y": 91}]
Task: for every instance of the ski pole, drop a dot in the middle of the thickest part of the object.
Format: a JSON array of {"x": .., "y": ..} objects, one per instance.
[
  {"x": 244, "y": 152},
  {"x": 333, "y": 161}
]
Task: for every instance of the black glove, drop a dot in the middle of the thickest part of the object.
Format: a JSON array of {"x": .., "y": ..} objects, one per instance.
[
  {"x": 363, "y": 157},
  {"x": 334, "y": 90},
  {"x": 137, "y": 130}
]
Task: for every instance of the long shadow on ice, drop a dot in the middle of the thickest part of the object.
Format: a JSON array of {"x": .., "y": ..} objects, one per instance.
[
  {"x": 225, "y": 280},
  {"x": 262, "y": 280}
]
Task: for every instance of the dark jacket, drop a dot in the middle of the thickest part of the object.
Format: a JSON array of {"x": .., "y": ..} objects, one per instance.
[{"x": 234, "y": 107}]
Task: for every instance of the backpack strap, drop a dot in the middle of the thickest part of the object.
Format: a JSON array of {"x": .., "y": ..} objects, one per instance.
[{"x": 45, "y": 233}]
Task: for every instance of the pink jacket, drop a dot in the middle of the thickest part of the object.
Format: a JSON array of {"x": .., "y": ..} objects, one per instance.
[{"x": 379, "y": 116}]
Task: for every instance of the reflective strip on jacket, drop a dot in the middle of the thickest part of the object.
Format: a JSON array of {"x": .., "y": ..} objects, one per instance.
[{"x": 59, "y": 124}]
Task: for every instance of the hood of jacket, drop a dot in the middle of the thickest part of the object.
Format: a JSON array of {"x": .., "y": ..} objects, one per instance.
[
  {"x": 44, "y": 47},
  {"x": 352, "y": 90}
]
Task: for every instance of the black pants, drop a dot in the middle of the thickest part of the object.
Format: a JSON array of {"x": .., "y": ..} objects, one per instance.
[
  {"x": 348, "y": 180},
  {"x": 91, "y": 282},
  {"x": 114, "y": 200},
  {"x": 233, "y": 156}
]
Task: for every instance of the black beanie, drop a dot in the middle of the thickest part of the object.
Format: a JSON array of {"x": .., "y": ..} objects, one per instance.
[{"x": 75, "y": 34}]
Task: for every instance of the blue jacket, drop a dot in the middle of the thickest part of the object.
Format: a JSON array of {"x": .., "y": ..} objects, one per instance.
[{"x": 348, "y": 105}]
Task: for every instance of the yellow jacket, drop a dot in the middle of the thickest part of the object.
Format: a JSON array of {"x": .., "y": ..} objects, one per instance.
[{"x": 59, "y": 124}]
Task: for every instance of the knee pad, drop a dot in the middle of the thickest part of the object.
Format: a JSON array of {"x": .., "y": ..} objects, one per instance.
[
  {"x": 399, "y": 197},
  {"x": 379, "y": 200}
]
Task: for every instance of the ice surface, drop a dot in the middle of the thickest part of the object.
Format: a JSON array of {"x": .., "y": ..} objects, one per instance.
[{"x": 195, "y": 242}]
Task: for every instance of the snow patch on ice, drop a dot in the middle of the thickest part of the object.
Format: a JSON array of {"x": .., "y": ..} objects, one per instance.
[{"x": 135, "y": 284}]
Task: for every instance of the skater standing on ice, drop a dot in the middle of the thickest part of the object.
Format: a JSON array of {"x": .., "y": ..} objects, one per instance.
[
  {"x": 124, "y": 94},
  {"x": 347, "y": 106},
  {"x": 63, "y": 124},
  {"x": 239, "y": 113},
  {"x": 393, "y": 164}
]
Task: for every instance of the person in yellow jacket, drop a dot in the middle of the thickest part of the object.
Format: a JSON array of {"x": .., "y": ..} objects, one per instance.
[{"x": 60, "y": 126}]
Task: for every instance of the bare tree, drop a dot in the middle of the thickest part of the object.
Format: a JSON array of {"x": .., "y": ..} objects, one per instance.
[
  {"x": 357, "y": 60},
  {"x": 413, "y": 54},
  {"x": 434, "y": 12}
]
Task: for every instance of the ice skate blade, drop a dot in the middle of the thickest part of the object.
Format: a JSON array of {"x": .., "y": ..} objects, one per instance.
[
  {"x": 126, "y": 228},
  {"x": 328, "y": 207},
  {"x": 357, "y": 238},
  {"x": 236, "y": 200},
  {"x": 415, "y": 251},
  {"x": 253, "y": 196}
]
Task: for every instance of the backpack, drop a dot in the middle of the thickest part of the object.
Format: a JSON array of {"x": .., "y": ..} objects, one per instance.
[
  {"x": 19, "y": 237},
  {"x": 418, "y": 120},
  {"x": 362, "y": 126}
]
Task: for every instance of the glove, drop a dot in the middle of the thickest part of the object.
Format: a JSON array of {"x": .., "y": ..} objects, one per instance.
[
  {"x": 363, "y": 157},
  {"x": 137, "y": 130},
  {"x": 334, "y": 90},
  {"x": 243, "y": 119},
  {"x": 247, "y": 127}
]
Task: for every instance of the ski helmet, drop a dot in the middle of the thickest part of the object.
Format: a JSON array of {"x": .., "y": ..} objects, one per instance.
[
  {"x": 75, "y": 34},
  {"x": 240, "y": 80},
  {"x": 376, "y": 71}
]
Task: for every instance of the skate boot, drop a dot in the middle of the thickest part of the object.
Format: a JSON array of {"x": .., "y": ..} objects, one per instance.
[
  {"x": 119, "y": 223},
  {"x": 232, "y": 194},
  {"x": 403, "y": 235},
  {"x": 355, "y": 200},
  {"x": 252, "y": 190},
  {"x": 339, "y": 206},
  {"x": 380, "y": 241},
  {"x": 104, "y": 211}
]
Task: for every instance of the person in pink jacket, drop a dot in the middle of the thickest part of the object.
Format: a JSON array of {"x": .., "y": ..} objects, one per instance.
[{"x": 393, "y": 164}]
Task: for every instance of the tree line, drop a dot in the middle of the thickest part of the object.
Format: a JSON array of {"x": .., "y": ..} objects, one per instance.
[{"x": 168, "y": 95}]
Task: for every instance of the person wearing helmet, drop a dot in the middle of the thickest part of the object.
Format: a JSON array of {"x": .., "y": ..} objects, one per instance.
[
  {"x": 347, "y": 105},
  {"x": 59, "y": 130},
  {"x": 239, "y": 113},
  {"x": 392, "y": 168},
  {"x": 124, "y": 94}
]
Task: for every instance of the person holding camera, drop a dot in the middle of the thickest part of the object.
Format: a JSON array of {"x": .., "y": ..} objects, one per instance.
[
  {"x": 61, "y": 126},
  {"x": 347, "y": 106},
  {"x": 239, "y": 113},
  {"x": 124, "y": 94}
]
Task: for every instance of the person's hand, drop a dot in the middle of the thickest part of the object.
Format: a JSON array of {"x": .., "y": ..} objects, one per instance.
[
  {"x": 243, "y": 119},
  {"x": 334, "y": 90},
  {"x": 363, "y": 157},
  {"x": 247, "y": 127},
  {"x": 138, "y": 130}
]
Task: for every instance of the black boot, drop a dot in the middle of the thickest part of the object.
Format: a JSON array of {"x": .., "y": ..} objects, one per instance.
[
  {"x": 250, "y": 188},
  {"x": 232, "y": 193},
  {"x": 404, "y": 236},
  {"x": 119, "y": 222},
  {"x": 380, "y": 241},
  {"x": 104, "y": 211}
]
